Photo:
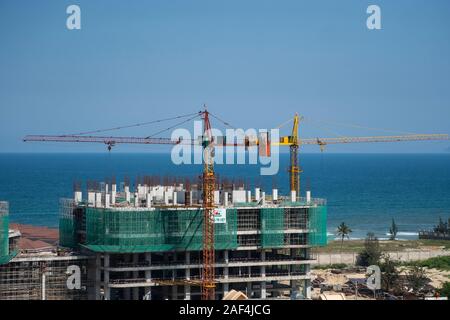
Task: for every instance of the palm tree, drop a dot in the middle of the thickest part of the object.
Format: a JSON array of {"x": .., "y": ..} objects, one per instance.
[
  {"x": 393, "y": 230},
  {"x": 343, "y": 231}
]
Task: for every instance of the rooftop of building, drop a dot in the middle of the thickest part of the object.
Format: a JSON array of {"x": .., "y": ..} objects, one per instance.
[{"x": 145, "y": 197}]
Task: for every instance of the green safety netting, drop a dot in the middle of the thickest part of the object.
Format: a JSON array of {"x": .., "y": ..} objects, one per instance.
[
  {"x": 158, "y": 230},
  {"x": 5, "y": 255},
  {"x": 272, "y": 227},
  {"x": 154, "y": 230},
  {"x": 317, "y": 226},
  {"x": 4, "y": 238},
  {"x": 67, "y": 236}
]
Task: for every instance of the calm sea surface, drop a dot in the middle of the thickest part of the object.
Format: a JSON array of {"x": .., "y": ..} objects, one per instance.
[{"x": 364, "y": 190}]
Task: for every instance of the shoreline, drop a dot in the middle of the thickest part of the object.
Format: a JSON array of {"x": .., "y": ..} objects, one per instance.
[{"x": 355, "y": 246}]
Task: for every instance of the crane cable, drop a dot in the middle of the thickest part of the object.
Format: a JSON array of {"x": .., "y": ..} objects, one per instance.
[
  {"x": 223, "y": 121},
  {"x": 132, "y": 125},
  {"x": 284, "y": 123},
  {"x": 332, "y": 132},
  {"x": 174, "y": 126},
  {"x": 360, "y": 127}
]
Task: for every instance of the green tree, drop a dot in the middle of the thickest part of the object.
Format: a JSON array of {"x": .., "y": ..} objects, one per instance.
[
  {"x": 441, "y": 227},
  {"x": 445, "y": 290},
  {"x": 393, "y": 230},
  {"x": 389, "y": 273},
  {"x": 343, "y": 231},
  {"x": 371, "y": 253},
  {"x": 417, "y": 278}
]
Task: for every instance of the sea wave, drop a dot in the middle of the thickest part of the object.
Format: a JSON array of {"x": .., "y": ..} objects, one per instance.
[{"x": 405, "y": 233}]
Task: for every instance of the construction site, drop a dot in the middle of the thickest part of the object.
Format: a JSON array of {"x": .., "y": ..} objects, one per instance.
[
  {"x": 147, "y": 243},
  {"x": 176, "y": 240}
]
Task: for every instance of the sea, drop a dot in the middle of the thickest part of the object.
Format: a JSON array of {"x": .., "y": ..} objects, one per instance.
[{"x": 366, "y": 191}]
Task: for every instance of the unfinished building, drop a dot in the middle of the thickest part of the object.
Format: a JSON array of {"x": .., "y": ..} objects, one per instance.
[
  {"x": 40, "y": 272},
  {"x": 147, "y": 244}
]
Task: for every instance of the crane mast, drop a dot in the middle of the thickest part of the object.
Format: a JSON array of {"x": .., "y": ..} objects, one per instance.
[
  {"x": 208, "y": 181},
  {"x": 294, "y": 168}
]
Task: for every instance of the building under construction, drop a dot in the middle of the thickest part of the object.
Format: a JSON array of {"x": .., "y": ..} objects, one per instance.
[
  {"x": 146, "y": 243},
  {"x": 36, "y": 270}
]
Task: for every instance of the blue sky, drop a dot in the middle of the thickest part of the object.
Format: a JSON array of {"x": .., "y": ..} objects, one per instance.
[{"x": 254, "y": 62}]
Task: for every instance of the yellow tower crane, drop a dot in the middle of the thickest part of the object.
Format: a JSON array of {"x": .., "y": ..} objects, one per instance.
[{"x": 294, "y": 142}]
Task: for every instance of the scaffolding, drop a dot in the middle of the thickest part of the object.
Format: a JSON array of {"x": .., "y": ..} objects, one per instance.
[
  {"x": 137, "y": 230},
  {"x": 43, "y": 279},
  {"x": 5, "y": 255},
  {"x": 67, "y": 221},
  {"x": 317, "y": 224},
  {"x": 156, "y": 230},
  {"x": 272, "y": 227}
]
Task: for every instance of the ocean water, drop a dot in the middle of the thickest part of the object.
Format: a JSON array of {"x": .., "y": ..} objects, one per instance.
[{"x": 363, "y": 190}]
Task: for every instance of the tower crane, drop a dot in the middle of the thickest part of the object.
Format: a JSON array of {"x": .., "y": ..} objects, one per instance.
[
  {"x": 208, "y": 178},
  {"x": 294, "y": 142}
]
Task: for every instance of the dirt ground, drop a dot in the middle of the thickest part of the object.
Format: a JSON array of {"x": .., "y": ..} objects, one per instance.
[{"x": 437, "y": 277}]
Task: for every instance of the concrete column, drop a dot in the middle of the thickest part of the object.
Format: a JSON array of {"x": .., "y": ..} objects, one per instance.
[
  {"x": 165, "y": 288},
  {"x": 91, "y": 198},
  {"x": 138, "y": 190},
  {"x": 127, "y": 291},
  {"x": 148, "y": 258},
  {"x": 308, "y": 196},
  {"x": 98, "y": 274},
  {"x": 263, "y": 274},
  {"x": 187, "y": 288},
  {"x": 107, "y": 200},
  {"x": 275, "y": 194},
  {"x": 249, "y": 196},
  {"x": 263, "y": 290},
  {"x": 174, "y": 293},
  {"x": 174, "y": 198},
  {"x": 135, "y": 276},
  {"x": 113, "y": 193},
  {"x": 149, "y": 200},
  {"x": 174, "y": 271},
  {"x": 307, "y": 289},
  {"x": 263, "y": 198},
  {"x": 257, "y": 194},
  {"x": 136, "y": 199},
  {"x": 225, "y": 199},
  {"x": 263, "y": 268},
  {"x": 293, "y": 196},
  {"x": 187, "y": 292},
  {"x": 226, "y": 286},
  {"x": 127, "y": 194},
  {"x": 216, "y": 197},
  {"x": 294, "y": 287},
  {"x": 166, "y": 198},
  {"x": 106, "y": 277},
  {"x": 249, "y": 270},
  {"x": 98, "y": 199},
  {"x": 78, "y": 196},
  {"x": 148, "y": 274},
  {"x": 190, "y": 198}
]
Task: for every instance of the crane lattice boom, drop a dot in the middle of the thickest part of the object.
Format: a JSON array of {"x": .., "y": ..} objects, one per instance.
[{"x": 308, "y": 141}]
